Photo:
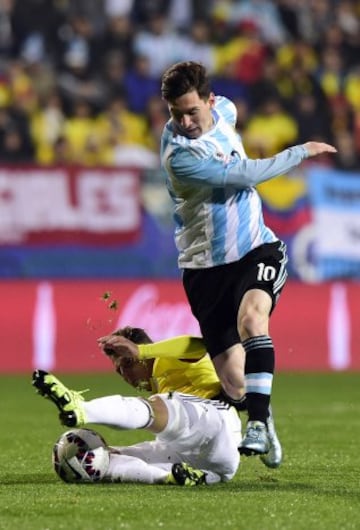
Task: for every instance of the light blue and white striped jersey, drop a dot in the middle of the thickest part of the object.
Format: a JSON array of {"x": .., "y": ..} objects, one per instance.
[{"x": 217, "y": 210}]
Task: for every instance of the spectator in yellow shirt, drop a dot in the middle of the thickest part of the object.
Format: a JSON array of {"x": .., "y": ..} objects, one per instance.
[{"x": 270, "y": 130}]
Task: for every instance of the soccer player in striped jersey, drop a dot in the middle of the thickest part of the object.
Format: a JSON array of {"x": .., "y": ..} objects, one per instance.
[{"x": 234, "y": 266}]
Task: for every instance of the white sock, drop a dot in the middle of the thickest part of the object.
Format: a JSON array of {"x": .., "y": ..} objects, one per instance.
[
  {"x": 118, "y": 411},
  {"x": 124, "y": 468}
]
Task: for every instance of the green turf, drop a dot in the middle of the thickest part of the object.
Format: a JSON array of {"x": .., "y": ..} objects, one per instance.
[{"x": 317, "y": 487}]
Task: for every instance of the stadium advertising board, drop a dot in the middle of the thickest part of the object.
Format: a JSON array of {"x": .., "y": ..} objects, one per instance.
[
  {"x": 73, "y": 205},
  {"x": 54, "y": 325}
]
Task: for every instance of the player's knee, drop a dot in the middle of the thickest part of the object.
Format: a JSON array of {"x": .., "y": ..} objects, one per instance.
[
  {"x": 159, "y": 414},
  {"x": 170, "y": 418}
]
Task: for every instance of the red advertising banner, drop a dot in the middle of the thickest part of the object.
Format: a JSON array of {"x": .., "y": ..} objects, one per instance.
[
  {"x": 69, "y": 205},
  {"x": 54, "y": 325}
]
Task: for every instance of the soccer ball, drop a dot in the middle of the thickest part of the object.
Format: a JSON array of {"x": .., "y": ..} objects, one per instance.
[{"x": 80, "y": 455}]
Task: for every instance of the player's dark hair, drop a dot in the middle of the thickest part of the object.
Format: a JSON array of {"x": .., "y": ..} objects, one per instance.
[
  {"x": 185, "y": 77},
  {"x": 137, "y": 335}
]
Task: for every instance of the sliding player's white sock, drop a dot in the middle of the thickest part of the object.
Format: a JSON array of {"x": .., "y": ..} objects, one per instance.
[
  {"x": 123, "y": 468},
  {"x": 118, "y": 411}
]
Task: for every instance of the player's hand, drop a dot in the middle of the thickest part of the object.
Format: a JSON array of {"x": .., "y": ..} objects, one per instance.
[
  {"x": 318, "y": 148},
  {"x": 118, "y": 346}
]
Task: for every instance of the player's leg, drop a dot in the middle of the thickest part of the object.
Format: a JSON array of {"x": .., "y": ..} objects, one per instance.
[
  {"x": 259, "y": 368},
  {"x": 217, "y": 310},
  {"x": 271, "y": 459},
  {"x": 175, "y": 442},
  {"x": 124, "y": 468},
  {"x": 211, "y": 296},
  {"x": 204, "y": 433},
  {"x": 123, "y": 413},
  {"x": 264, "y": 279},
  {"x": 162, "y": 456},
  {"x": 229, "y": 367},
  {"x": 116, "y": 411}
]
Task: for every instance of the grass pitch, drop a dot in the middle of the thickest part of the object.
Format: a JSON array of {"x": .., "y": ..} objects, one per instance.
[{"x": 316, "y": 488}]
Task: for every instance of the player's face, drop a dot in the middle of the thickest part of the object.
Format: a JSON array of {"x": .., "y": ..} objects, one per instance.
[
  {"x": 136, "y": 373},
  {"x": 192, "y": 115}
]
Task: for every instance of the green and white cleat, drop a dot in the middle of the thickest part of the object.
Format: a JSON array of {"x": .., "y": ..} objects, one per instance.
[
  {"x": 256, "y": 440},
  {"x": 273, "y": 458},
  {"x": 184, "y": 475},
  {"x": 68, "y": 402}
]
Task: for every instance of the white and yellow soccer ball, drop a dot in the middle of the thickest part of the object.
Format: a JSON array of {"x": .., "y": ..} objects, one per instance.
[{"x": 80, "y": 455}]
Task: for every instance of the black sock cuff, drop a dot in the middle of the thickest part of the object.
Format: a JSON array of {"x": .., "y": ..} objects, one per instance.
[{"x": 238, "y": 404}]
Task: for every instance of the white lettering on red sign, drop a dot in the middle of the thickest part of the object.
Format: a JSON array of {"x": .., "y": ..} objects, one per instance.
[{"x": 92, "y": 201}]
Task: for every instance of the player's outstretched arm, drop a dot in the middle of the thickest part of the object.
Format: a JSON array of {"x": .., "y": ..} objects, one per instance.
[
  {"x": 191, "y": 167},
  {"x": 181, "y": 347}
]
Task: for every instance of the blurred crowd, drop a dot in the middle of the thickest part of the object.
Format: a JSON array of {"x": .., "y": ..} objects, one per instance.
[{"x": 80, "y": 79}]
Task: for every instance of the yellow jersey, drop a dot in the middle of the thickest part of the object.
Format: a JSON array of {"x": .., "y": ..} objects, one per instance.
[{"x": 181, "y": 364}]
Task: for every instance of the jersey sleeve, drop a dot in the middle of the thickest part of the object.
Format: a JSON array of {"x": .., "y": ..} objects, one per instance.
[
  {"x": 182, "y": 347},
  {"x": 195, "y": 165}
]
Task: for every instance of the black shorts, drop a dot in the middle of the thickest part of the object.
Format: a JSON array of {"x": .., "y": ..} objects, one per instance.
[{"x": 215, "y": 293}]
